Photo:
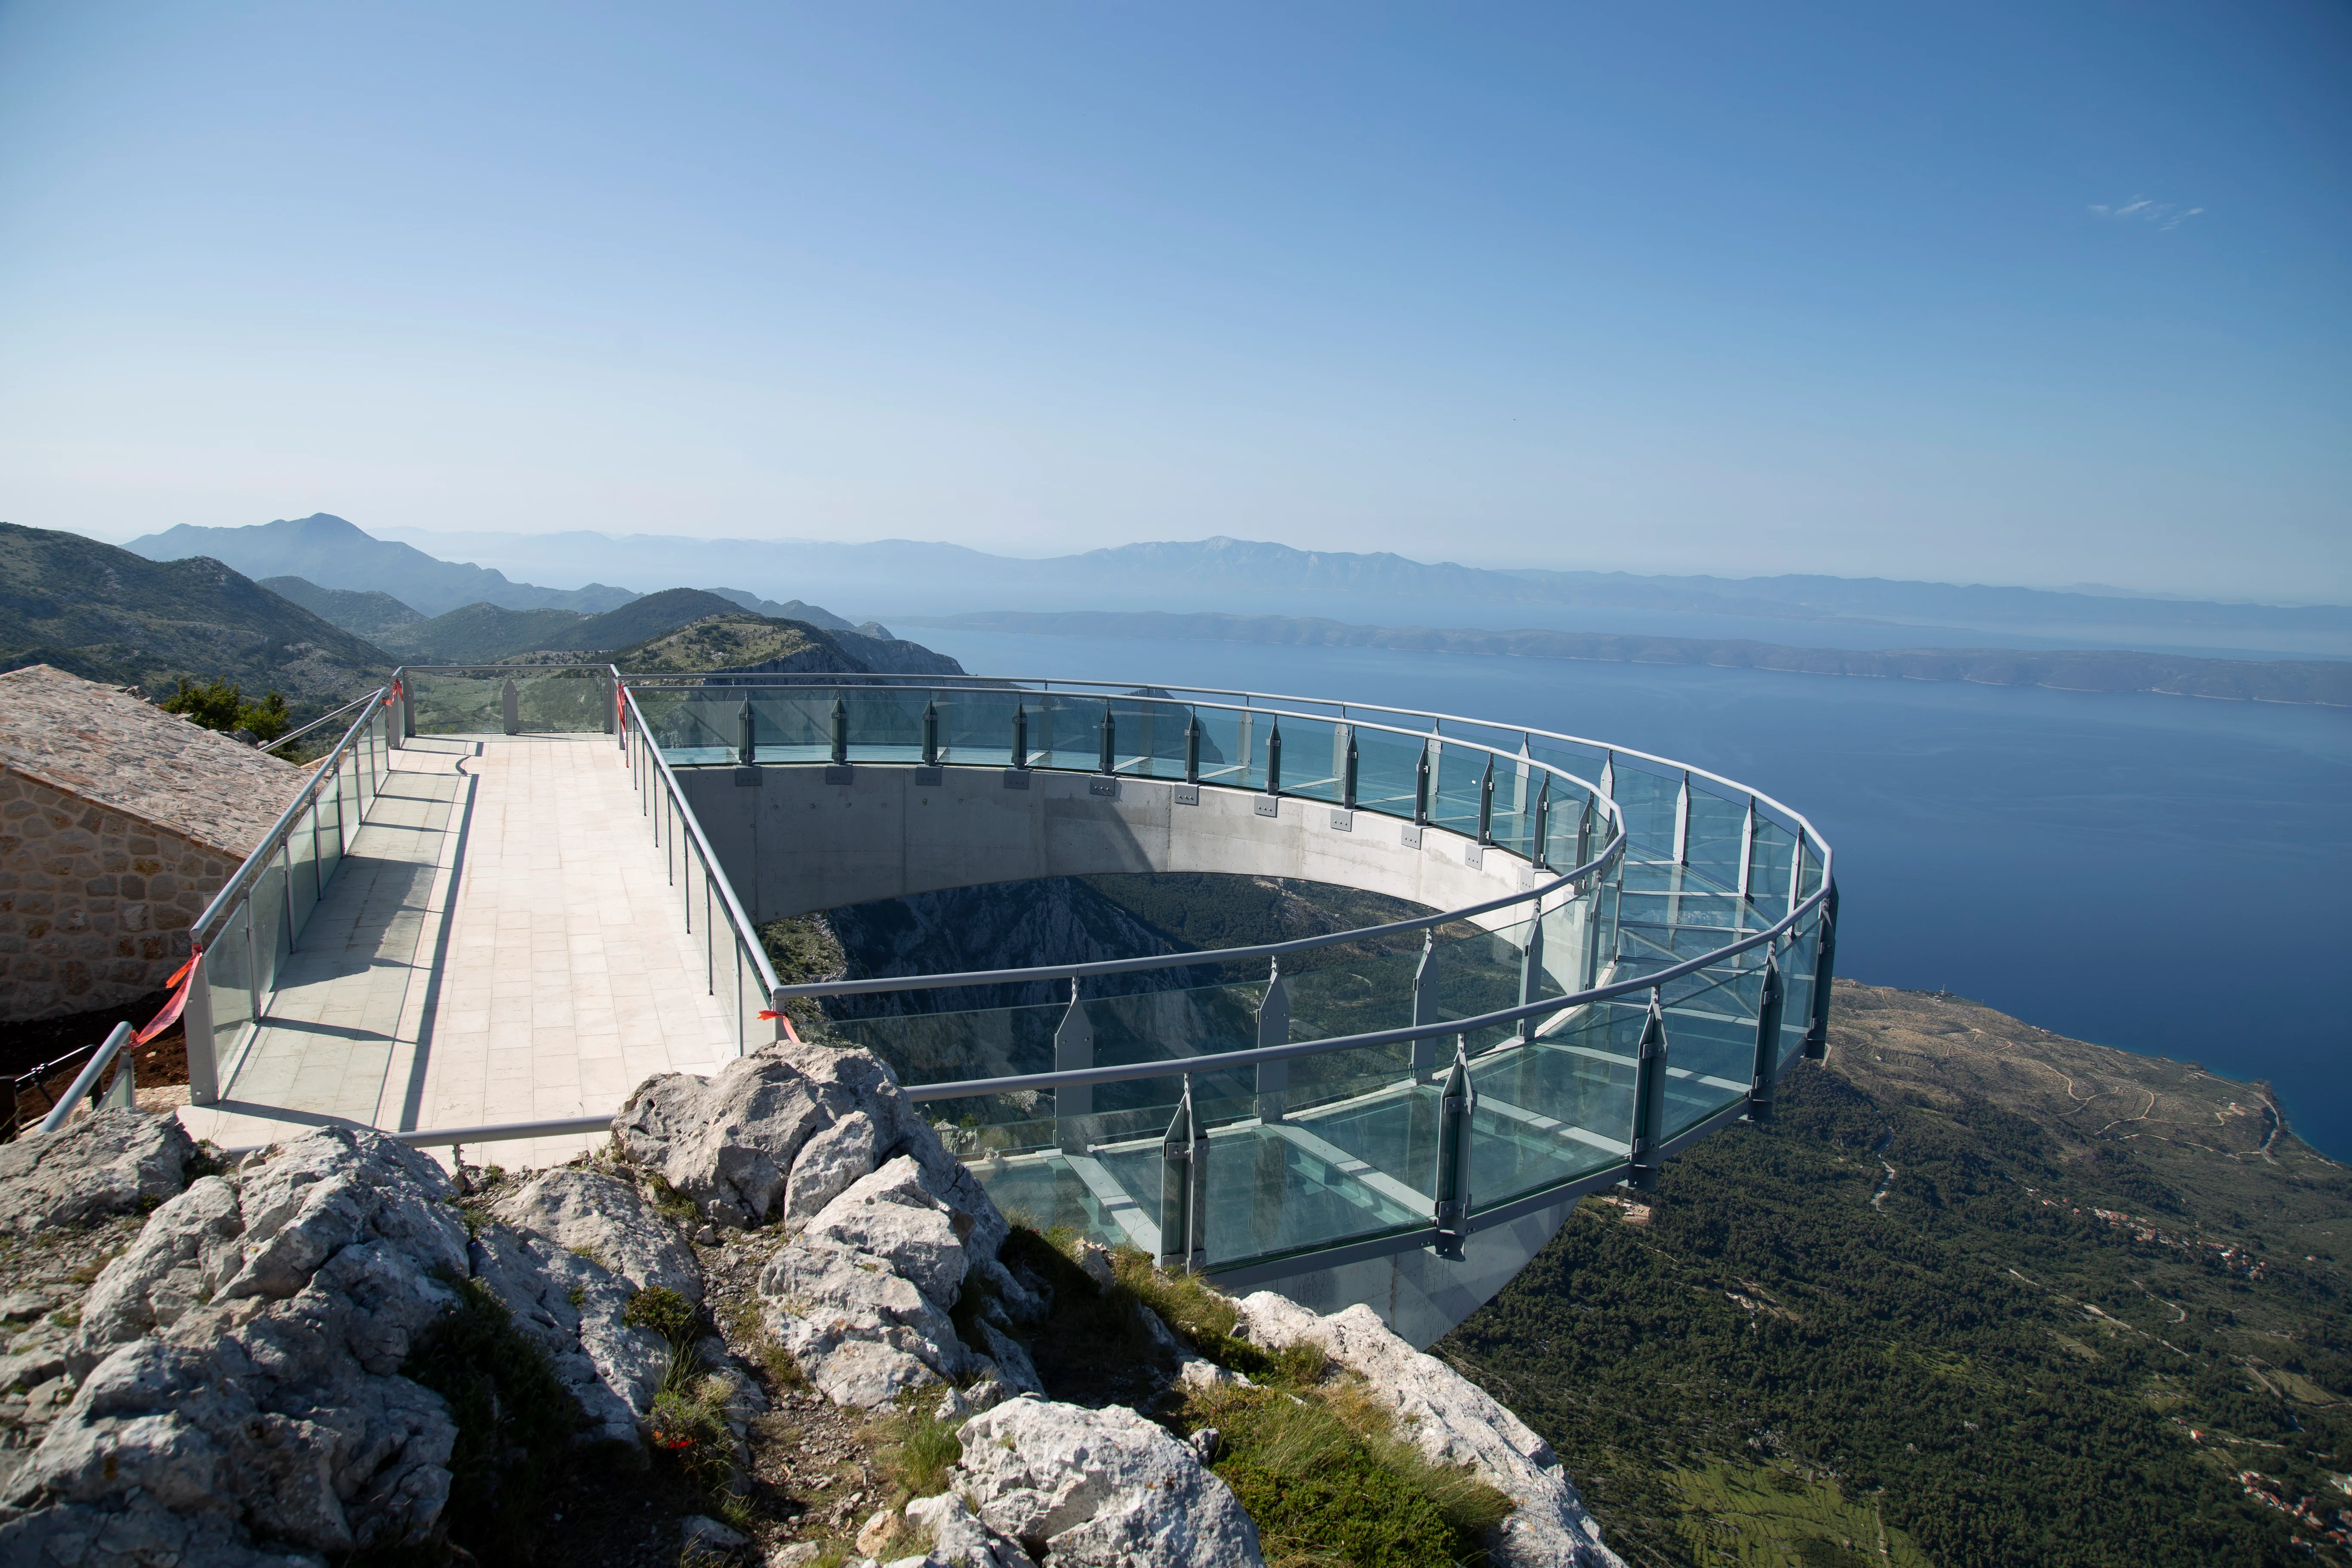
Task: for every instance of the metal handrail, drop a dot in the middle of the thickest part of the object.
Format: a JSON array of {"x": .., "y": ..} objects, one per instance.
[
  {"x": 1125, "y": 689},
  {"x": 240, "y": 883},
  {"x": 1203, "y": 955},
  {"x": 321, "y": 718},
  {"x": 1127, "y": 1072},
  {"x": 744, "y": 931},
  {"x": 86, "y": 1077}
]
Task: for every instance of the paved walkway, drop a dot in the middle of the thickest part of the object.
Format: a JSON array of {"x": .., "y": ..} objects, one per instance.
[{"x": 501, "y": 945}]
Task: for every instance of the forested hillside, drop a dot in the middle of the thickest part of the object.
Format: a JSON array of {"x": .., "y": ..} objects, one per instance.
[{"x": 1979, "y": 1296}]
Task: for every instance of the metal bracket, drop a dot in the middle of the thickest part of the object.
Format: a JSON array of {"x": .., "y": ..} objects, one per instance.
[
  {"x": 1267, "y": 805},
  {"x": 1457, "y": 1102},
  {"x": 840, "y": 774},
  {"x": 1642, "y": 1157},
  {"x": 1017, "y": 778},
  {"x": 929, "y": 776},
  {"x": 1273, "y": 1029},
  {"x": 1183, "y": 1188},
  {"x": 1188, "y": 794},
  {"x": 1409, "y": 837},
  {"x": 1074, "y": 1051},
  {"x": 1343, "y": 821},
  {"x": 1108, "y": 788},
  {"x": 747, "y": 778},
  {"x": 1768, "y": 1039},
  {"x": 1474, "y": 856}
]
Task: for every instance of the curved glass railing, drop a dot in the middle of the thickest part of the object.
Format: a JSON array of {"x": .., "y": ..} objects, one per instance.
[{"x": 1656, "y": 983}]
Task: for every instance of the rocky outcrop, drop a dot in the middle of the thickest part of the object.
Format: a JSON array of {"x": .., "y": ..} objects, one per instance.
[
  {"x": 886, "y": 1229},
  {"x": 1098, "y": 1489},
  {"x": 1452, "y": 1421},
  {"x": 240, "y": 1396},
  {"x": 114, "y": 1161}
]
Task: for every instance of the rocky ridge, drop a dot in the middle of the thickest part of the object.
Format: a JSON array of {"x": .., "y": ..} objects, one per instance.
[{"x": 234, "y": 1388}]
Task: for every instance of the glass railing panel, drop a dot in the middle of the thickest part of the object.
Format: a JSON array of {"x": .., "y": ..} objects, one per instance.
[
  {"x": 267, "y": 904},
  {"x": 1314, "y": 756},
  {"x": 1387, "y": 772},
  {"x": 455, "y": 704},
  {"x": 1456, "y": 777},
  {"x": 1809, "y": 871},
  {"x": 1770, "y": 869},
  {"x": 334, "y": 814},
  {"x": 1036, "y": 1184},
  {"x": 976, "y": 726},
  {"x": 1233, "y": 747},
  {"x": 941, "y": 1047},
  {"x": 562, "y": 701},
  {"x": 229, "y": 977},
  {"x": 1799, "y": 971},
  {"x": 1711, "y": 1043},
  {"x": 1717, "y": 839},
  {"x": 1283, "y": 1188},
  {"x": 1649, "y": 802},
  {"x": 1147, "y": 736},
  {"x": 301, "y": 870},
  {"x": 1477, "y": 975},
  {"x": 1556, "y": 1109}
]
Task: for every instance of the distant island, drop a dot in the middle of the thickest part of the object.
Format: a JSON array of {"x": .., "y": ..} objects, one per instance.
[{"x": 2322, "y": 683}]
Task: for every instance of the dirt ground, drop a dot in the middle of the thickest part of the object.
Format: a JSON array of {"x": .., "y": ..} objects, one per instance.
[{"x": 24, "y": 1047}]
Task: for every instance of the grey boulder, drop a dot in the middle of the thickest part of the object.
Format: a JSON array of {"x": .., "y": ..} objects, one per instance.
[
  {"x": 1098, "y": 1488},
  {"x": 108, "y": 1163},
  {"x": 607, "y": 1221}
]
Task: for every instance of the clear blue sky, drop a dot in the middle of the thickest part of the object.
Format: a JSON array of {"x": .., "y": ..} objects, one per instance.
[{"x": 2026, "y": 293}]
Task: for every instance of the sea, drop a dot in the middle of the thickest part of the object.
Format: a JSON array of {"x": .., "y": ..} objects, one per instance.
[{"x": 2168, "y": 875}]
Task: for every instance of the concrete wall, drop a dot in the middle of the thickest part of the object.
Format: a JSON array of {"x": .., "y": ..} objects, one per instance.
[
  {"x": 793, "y": 843},
  {"x": 95, "y": 904}
]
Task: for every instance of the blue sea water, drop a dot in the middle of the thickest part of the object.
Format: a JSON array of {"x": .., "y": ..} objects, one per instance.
[{"x": 2164, "y": 874}]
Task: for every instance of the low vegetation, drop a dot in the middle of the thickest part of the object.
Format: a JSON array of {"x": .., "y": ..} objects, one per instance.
[
  {"x": 219, "y": 705},
  {"x": 1940, "y": 1311}
]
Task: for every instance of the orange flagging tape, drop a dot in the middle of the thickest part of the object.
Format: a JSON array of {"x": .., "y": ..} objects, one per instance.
[
  {"x": 790, "y": 1033},
  {"x": 182, "y": 981}
]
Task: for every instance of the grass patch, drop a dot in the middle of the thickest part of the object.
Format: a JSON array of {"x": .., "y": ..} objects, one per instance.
[
  {"x": 1744, "y": 1514},
  {"x": 668, "y": 1202},
  {"x": 918, "y": 1451},
  {"x": 515, "y": 1421},
  {"x": 1329, "y": 1482}
]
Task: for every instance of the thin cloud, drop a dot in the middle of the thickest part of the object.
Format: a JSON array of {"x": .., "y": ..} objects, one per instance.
[{"x": 2140, "y": 209}]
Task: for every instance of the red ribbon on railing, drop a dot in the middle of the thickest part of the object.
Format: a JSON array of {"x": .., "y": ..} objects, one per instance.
[
  {"x": 182, "y": 981},
  {"x": 790, "y": 1033}
]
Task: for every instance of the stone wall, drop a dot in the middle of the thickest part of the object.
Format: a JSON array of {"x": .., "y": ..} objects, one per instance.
[{"x": 95, "y": 903}]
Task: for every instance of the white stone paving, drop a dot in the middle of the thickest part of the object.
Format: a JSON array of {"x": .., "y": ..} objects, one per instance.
[{"x": 503, "y": 944}]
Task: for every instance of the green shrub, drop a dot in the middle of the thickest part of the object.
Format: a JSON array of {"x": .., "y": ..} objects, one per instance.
[
  {"x": 665, "y": 1311},
  {"x": 221, "y": 706},
  {"x": 1328, "y": 1481},
  {"x": 515, "y": 1420}
]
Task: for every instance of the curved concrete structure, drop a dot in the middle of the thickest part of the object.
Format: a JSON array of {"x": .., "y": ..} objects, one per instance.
[{"x": 1335, "y": 1193}]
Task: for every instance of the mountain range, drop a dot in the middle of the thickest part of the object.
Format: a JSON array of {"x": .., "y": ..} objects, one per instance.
[{"x": 898, "y": 578}]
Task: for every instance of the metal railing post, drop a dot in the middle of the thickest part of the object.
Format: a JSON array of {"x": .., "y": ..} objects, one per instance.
[
  {"x": 1183, "y": 1188},
  {"x": 1487, "y": 802},
  {"x": 746, "y": 745},
  {"x": 1421, "y": 789},
  {"x": 1109, "y": 762},
  {"x": 1273, "y": 1029},
  {"x": 511, "y": 707},
  {"x": 1531, "y": 972},
  {"x": 1538, "y": 850},
  {"x": 1682, "y": 822},
  {"x": 1425, "y": 1006},
  {"x": 1817, "y": 1037},
  {"x": 1348, "y": 773},
  {"x": 1767, "y": 1040},
  {"x": 931, "y": 733},
  {"x": 840, "y": 733},
  {"x": 1074, "y": 1051},
  {"x": 1457, "y": 1103},
  {"x": 1020, "y": 735},
  {"x": 1642, "y": 1157},
  {"x": 1193, "y": 749},
  {"x": 1274, "y": 759}
]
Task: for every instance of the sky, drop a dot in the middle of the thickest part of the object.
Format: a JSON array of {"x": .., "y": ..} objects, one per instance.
[{"x": 2040, "y": 293}]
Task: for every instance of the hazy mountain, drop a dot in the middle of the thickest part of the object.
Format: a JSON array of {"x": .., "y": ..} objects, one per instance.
[
  {"x": 2328, "y": 682},
  {"x": 363, "y": 613},
  {"x": 901, "y": 578},
  {"x": 107, "y": 614},
  {"x": 791, "y": 610},
  {"x": 325, "y": 549},
  {"x": 477, "y": 634}
]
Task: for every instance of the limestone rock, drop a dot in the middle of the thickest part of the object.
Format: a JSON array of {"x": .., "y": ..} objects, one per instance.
[
  {"x": 101, "y": 1164},
  {"x": 961, "y": 1538},
  {"x": 1099, "y": 1488},
  {"x": 703, "y": 1540},
  {"x": 590, "y": 1213},
  {"x": 574, "y": 1306},
  {"x": 889, "y": 1214},
  {"x": 1452, "y": 1421}
]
